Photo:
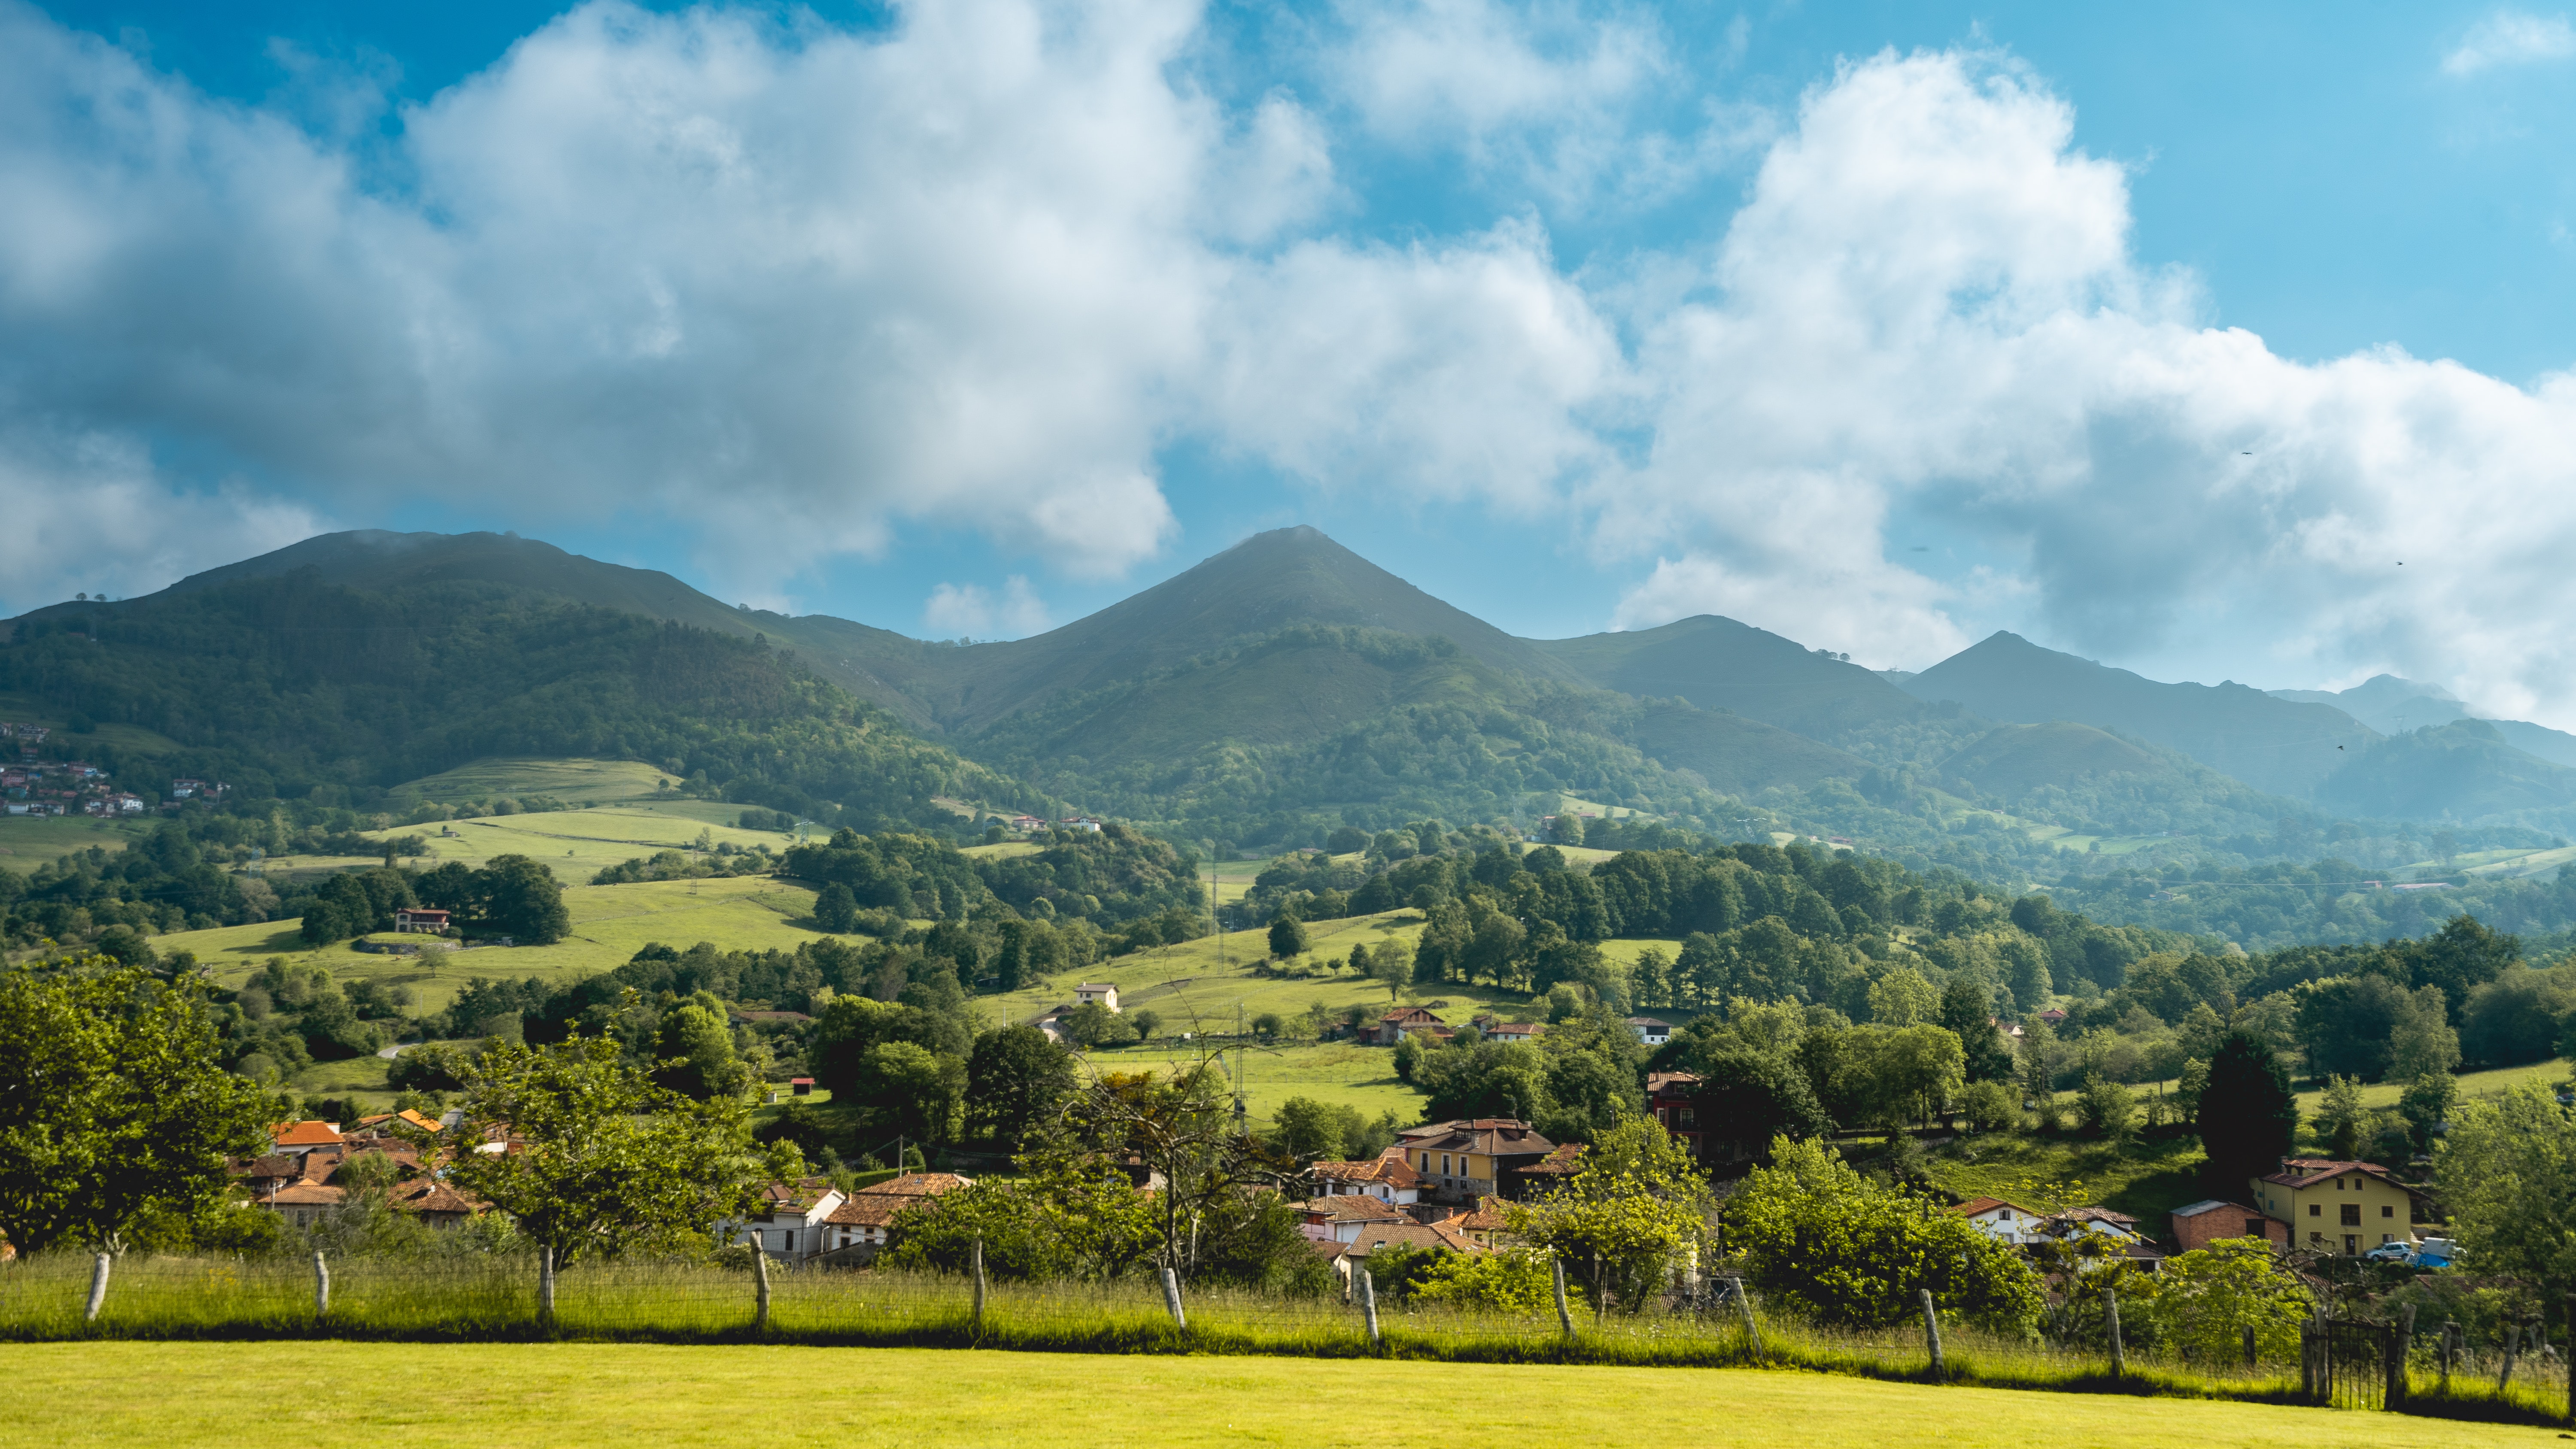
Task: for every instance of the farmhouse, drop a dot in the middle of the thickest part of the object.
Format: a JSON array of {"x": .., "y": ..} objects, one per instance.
[
  {"x": 1461, "y": 1161},
  {"x": 790, "y": 1222},
  {"x": 1395, "y": 1026},
  {"x": 859, "y": 1228},
  {"x": 420, "y": 918},
  {"x": 1650, "y": 1030},
  {"x": 2002, "y": 1220},
  {"x": 1104, "y": 992},
  {"x": 2337, "y": 1207},
  {"x": 1389, "y": 1179}
]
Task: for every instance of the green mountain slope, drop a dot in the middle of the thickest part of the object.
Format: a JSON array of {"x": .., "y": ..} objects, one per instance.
[
  {"x": 2463, "y": 770},
  {"x": 289, "y": 682},
  {"x": 1718, "y": 663},
  {"x": 2282, "y": 746},
  {"x": 2014, "y": 760}
]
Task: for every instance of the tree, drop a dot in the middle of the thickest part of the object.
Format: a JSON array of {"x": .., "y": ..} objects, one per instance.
[
  {"x": 1181, "y": 1128},
  {"x": 1408, "y": 1060},
  {"x": 1990, "y": 1107},
  {"x": 1391, "y": 966},
  {"x": 836, "y": 909},
  {"x": 1094, "y": 1024},
  {"x": 1632, "y": 1214},
  {"x": 2248, "y": 1119},
  {"x": 112, "y": 1107},
  {"x": 2426, "y": 1103},
  {"x": 1849, "y": 1250},
  {"x": 2341, "y": 1117},
  {"x": 1754, "y": 1098},
  {"x": 913, "y": 1091},
  {"x": 1287, "y": 936},
  {"x": 1514, "y": 1281},
  {"x": 1902, "y": 998},
  {"x": 1267, "y": 1025},
  {"x": 2207, "y": 1298},
  {"x": 1146, "y": 1022},
  {"x": 1015, "y": 1078},
  {"x": 2507, "y": 1173},
  {"x": 2106, "y": 1109},
  {"x": 1966, "y": 1014},
  {"x": 2422, "y": 1040},
  {"x": 696, "y": 1053},
  {"x": 1314, "y": 1131},
  {"x": 1914, "y": 1070},
  {"x": 523, "y": 900},
  {"x": 611, "y": 1162}
]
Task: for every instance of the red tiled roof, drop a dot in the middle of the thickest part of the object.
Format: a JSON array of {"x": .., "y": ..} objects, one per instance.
[
  {"x": 2304, "y": 1170},
  {"x": 429, "y": 1195},
  {"x": 305, "y": 1134},
  {"x": 1409, "y": 1234},
  {"x": 1976, "y": 1205},
  {"x": 1347, "y": 1207},
  {"x": 1493, "y": 1136},
  {"x": 1563, "y": 1162},
  {"x": 869, "y": 1212},
  {"x": 1393, "y": 1170},
  {"x": 920, "y": 1184}
]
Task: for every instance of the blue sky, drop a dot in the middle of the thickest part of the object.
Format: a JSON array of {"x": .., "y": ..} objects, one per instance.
[{"x": 2161, "y": 337}]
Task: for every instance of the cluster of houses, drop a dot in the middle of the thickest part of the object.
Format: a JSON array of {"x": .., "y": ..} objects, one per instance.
[
  {"x": 29, "y": 786},
  {"x": 1036, "y": 825},
  {"x": 2314, "y": 1205},
  {"x": 300, "y": 1177}
]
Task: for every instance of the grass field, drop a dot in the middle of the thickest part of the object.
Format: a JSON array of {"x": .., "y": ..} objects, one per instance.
[
  {"x": 574, "y": 844},
  {"x": 526, "y": 1395},
  {"x": 1337, "y": 1073},
  {"x": 2148, "y": 1181},
  {"x": 575, "y": 782},
  {"x": 28, "y": 841},
  {"x": 2472, "y": 1084}
]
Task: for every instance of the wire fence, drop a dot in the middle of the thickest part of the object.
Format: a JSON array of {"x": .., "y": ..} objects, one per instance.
[{"x": 473, "y": 1297}]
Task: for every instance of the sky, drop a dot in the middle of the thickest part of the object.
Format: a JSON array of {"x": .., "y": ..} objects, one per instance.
[{"x": 2212, "y": 342}]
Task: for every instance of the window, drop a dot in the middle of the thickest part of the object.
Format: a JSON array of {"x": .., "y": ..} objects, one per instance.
[
  {"x": 2352, "y": 1242},
  {"x": 2316, "y": 1210},
  {"x": 2387, "y": 1210},
  {"x": 1686, "y": 1117},
  {"x": 2388, "y": 1237},
  {"x": 2352, "y": 1215},
  {"x": 2254, "y": 1228}
]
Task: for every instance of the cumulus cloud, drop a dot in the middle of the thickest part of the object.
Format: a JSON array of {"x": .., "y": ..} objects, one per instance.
[
  {"x": 1929, "y": 307},
  {"x": 976, "y": 612},
  {"x": 88, "y": 514},
  {"x": 2511, "y": 37}
]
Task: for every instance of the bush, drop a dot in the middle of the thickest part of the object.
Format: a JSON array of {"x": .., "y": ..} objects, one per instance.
[
  {"x": 2106, "y": 1109},
  {"x": 1819, "y": 1234},
  {"x": 1515, "y": 1280},
  {"x": 1990, "y": 1107}
]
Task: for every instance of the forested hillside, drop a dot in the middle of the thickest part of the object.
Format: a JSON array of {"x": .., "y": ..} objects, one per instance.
[{"x": 281, "y": 685}]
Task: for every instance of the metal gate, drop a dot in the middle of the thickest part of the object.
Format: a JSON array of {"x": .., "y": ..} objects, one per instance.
[{"x": 2350, "y": 1363}]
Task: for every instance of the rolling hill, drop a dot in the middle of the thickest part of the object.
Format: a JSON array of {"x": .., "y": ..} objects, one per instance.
[
  {"x": 2459, "y": 771},
  {"x": 2012, "y": 761}
]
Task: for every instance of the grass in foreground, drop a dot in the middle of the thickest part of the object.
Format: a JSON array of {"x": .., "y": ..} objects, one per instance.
[{"x": 123, "y": 1394}]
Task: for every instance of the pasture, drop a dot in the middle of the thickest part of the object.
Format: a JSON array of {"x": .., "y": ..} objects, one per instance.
[
  {"x": 28, "y": 841},
  {"x": 531, "y": 1395}
]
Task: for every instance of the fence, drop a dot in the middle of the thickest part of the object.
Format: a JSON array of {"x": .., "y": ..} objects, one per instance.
[{"x": 472, "y": 1297}]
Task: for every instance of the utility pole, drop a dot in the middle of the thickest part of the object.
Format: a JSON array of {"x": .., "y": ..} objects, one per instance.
[{"x": 1238, "y": 1069}]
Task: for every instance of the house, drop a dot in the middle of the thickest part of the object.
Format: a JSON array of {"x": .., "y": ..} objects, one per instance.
[
  {"x": 2338, "y": 1207},
  {"x": 302, "y": 1137},
  {"x": 434, "y": 1202},
  {"x": 1650, "y": 1030},
  {"x": 1395, "y": 1026},
  {"x": 2054, "y": 1017},
  {"x": 1486, "y": 1223},
  {"x": 420, "y": 918},
  {"x": 1348, "y": 1257},
  {"x": 1515, "y": 1030},
  {"x": 2199, "y": 1224},
  {"x": 1079, "y": 822},
  {"x": 1390, "y": 1179},
  {"x": 1024, "y": 824},
  {"x": 801, "y": 1086},
  {"x": 1461, "y": 1161},
  {"x": 2001, "y": 1219},
  {"x": 858, "y": 1229},
  {"x": 1342, "y": 1217},
  {"x": 303, "y": 1203},
  {"x": 1672, "y": 1099},
  {"x": 789, "y": 1223},
  {"x": 187, "y": 789},
  {"x": 1104, "y": 992}
]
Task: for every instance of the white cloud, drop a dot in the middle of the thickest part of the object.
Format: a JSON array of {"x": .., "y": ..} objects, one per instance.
[
  {"x": 88, "y": 515},
  {"x": 2511, "y": 37},
  {"x": 975, "y": 612}
]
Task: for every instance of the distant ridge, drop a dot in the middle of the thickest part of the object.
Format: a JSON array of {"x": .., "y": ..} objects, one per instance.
[
  {"x": 2278, "y": 745},
  {"x": 1717, "y": 663}
]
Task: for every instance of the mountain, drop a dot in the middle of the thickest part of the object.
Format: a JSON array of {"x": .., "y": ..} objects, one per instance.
[
  {"x": 2540, "y": 741},
  {"x": 1718, "y": 663},
  {"x": 1288, "y": 577},
  {"x": 2460, "y": 771},
  {"x": 2387, "y": 703},
  {"x": 379, "y": 561},
  {"x": 2278, "y": 745}
]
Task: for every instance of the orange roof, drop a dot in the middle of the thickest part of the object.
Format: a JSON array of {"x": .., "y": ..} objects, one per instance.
[
  {"x": 305, "y": 1134},
  {"x": 303, "y": 1194},
  {"x": 2300, "y": 1171},
  {"x": 920, "y": 1184},
  {"x": 1976, "y": 1205},
  {"x": 1392, "y": 1170}
]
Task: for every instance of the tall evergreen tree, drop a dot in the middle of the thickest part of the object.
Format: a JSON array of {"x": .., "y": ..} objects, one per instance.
[
  {"x": 2248, "y": 1117},
  {"x": 1963, "y": 1011}
]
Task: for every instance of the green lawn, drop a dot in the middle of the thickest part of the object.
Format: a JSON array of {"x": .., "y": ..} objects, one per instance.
[
  {"x": 28, "y": 841},
  {"x": 2472, "y": 1084},
  {"x": 574, "y": 844},
  {"x": 119, "y": 1394},
  {"x": 572, "y": 781},
  {"x": 609, "y": 924},
  {"x": 1333, "y": 1072}
]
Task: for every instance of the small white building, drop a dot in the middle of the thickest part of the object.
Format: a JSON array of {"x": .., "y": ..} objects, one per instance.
[
  {"x": 1106, "y": 993},
  {"x": 2007, "y": 1222},
  {"x": 790, "y": 1225},
  {"x": 1650, "y": 1030},
  {"x": 1389, "y": 1179}
]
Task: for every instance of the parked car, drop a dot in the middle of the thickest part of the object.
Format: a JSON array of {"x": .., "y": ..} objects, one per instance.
[{"x": 2391, "y": 1253}]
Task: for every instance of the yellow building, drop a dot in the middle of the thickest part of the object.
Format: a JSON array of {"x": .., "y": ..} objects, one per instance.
[{"x": 2337, "y": 1207}]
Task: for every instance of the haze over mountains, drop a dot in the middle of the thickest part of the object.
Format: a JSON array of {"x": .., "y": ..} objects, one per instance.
[{"x": 1288, "y": 685}]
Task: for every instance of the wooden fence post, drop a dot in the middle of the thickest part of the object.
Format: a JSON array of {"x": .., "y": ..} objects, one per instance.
[
  {"x": 2512, "y": 1341},
  {"x": 979, "y": 1287},
  {"x": 2401, "y": 1339},
  {"x": 1172, "y": 1300},
  {"x": 1564, "y": 1317},
  {"x": 321, "y": 1286},
  {"x": 98, "y": 1288},
  {"x": 1368, "y": 1309},
  {"x": 2250, "y": 1356},
  {"x": 2307, "y": 1358},
  {"x": 546, "y": 1287},
  {"x": 1932, "y": 1335},
  {"x": 760, "y": 1286},
  {"x": 2449, "y": 1342},
  {"x": 2111, "y": 1321},
  {"x": 1752, "y": 1330},
  {"x": 2571, "y": 1358}
]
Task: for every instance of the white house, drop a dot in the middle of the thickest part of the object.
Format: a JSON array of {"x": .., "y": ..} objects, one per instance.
[
  {"x": 857, "y": 1230},
  {"x": 1389, "y": 1179},
  {"x": 1651, "y": 1031},
  {"x": 1343, "y": 1217},
  {"x": 1106, "y": 993},
  {"x": 2004, "y": 1221},
  {"x": 791, "y": 1226}
]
